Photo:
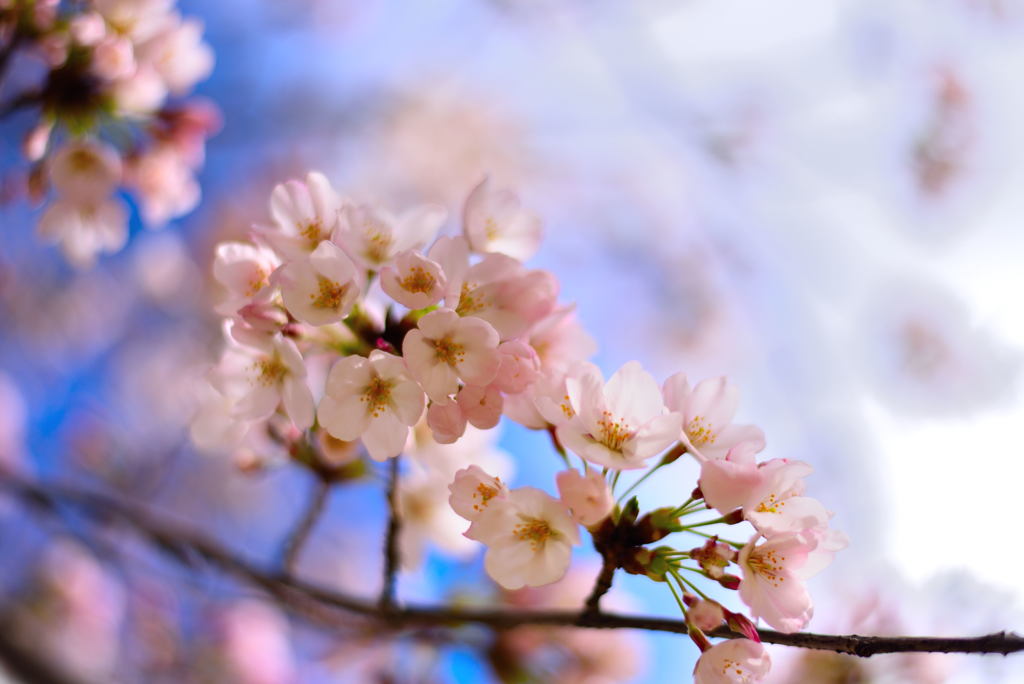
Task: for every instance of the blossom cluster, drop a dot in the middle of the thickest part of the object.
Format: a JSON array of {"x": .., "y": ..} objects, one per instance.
[
  {"x": 109, "y": 114},
  {"x": 351, "y": 328}
]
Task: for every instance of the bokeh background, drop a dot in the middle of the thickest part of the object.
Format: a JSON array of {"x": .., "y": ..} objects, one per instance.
[{"x": 820, "y": 199}]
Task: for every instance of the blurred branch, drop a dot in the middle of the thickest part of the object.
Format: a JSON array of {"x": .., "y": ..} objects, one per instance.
[
  {"x": 601, "y": 586},
  {"x": 27, "y": 665},
  {"x": 391, "y": 559},
  {"x": 188, "y": 547},
  {"x": 297, "y": 539}
]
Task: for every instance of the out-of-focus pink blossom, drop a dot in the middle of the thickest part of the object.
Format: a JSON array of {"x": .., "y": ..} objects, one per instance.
[
  {"x": 254, "y": 643},
  {"x": 494, "y": 221},
  {"x": 165, "y": 183},
  {"x": 179, "y": 55}
]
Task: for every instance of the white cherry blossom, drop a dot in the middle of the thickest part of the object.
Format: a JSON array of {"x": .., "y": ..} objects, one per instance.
[
  {"x": 320, "y": 289},
  {"x": 304, "y": 213},
  {"x": 707, "y": 412},
  {"x": 374, "y": 237},
  {"x": 445, "y": 348},
  {"x": 372, "y": 399},
  {"x": 413, "y": 281},
  {"x": 473, "y": 490},
  {"x": 529, "y": 537},
  {"x": 619, "y": 424},
  {"x": 733, "y": 661}
]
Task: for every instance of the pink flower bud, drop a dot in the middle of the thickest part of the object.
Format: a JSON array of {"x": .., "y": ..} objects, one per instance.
[
  {"x": 587, "y": 496},
  {"x": 706, "y": 615},
  {"x": 446, "y": 421},
  {"x": 481, "y": 405}
]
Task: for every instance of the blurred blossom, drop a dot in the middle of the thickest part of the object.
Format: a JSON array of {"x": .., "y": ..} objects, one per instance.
[
  {"x": 75, "y": 612},
  {"x": 253, "y": 645},
  {"x": 925, "y": 354}
]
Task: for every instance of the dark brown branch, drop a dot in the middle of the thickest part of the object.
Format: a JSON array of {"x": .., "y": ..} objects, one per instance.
[
  {"x": 297, "y": 539},
  {"x": 391, "y": 559},
  {"x": 188, "y": 546},
  {"x": 592, "y": 607}
]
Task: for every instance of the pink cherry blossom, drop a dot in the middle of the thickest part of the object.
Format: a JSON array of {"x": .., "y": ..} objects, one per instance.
[
  {"x": 734, "y": 661},
  {"x": 494, "y": 221},
  {"x": 481, "y": 405},
  {"x": 140, "y": 94},
  {"x": 374, "y": 237},
  {"x": 445, "y": 347},
  {"x": 498, "y": 289},
  {"x": 560, "y": 341},
  {"x": 165, "y": 183},
  {"x": 138, "y": 19},
  {"x": 620, "y": 424},
  {"x": 707, "y": 411},
  {"x": 587, "y": 497},
  {"x": 113, "y": 58},
  {"x": 473, "y": 490},
  {"x": 243, "y": 271},
  {"x": 179, "y": 55},
  {"x": 85, "y": 229},
  {"x": 728, "y": 483},
  {"x": 413, "y": 281},
  {"x": 776, "y": 506},
  {"x": 529, "y": 537},
  {"x": 321, "y": 288},
  {"x": 304, "y": 214},
  {"x": 520, "y": 367},
  {"x": 261, "y": 377},
  {"x": 773, "y": 579},
  {"x": 446, "y": 420},
  {"x": 85, "y": 171},
  {"x": 705, "y": 615},
  {"x": 373, "y": 399}
]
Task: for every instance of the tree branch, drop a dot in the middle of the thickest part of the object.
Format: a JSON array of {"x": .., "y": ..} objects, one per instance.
[
  {"x": 602, "y": 585},
  {"x": 188, "y": 546},
  {"x": 297, "y": 539},
  {"x": 391, "y": 559}
]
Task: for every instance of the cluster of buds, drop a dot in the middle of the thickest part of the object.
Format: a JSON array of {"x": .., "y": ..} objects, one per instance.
[
  {"x": 347, "y": 319},
  {"x": 113, "y": 69}
]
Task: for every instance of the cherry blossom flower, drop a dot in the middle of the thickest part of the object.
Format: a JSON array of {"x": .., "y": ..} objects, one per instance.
[
  {"x": 733, "y": 661},
  {"x": 498, "y": 289},
  {"x": 444, "y": 348},
  {"x": 620, "y": 424},
  {"x": 728, "y": 483},
  {"x": 372, "y": 399},
  {"x": 374, "y": 237},
  {"x": 774, "y": 573},
  {"x": 588, "y": 497},
  {"x": 304, "y": 214},
  {"x": 179, "y": 55},
  {"x": 243, "y": 270},
  {"x": 85, "y": 170},
  {"x": 494, "y": 221},
  {"x": 707, "y": 412},
  {"x": 529, "y": 536},
  {"x": 413, "y": 281},
  {"x": 473, "y": 490},
  {"x": 776, "y": 506},
  {"x": 520, "y": 367},
  {"x": 165, "y": 183},
  {"x": 137, "y": 19},
  {"x": 261, "y": 377},
  {"x": 321, "y": 288},
  {"x": 84, "y": 229},
  {"x": 113, "y": 58},
  {"x": 254, "y": 644}
]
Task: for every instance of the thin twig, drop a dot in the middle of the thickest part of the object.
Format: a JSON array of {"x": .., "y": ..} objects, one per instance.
[
  {"x": 391, "y": 559},
  {"x": 297, "y": 539},
  {"x": 187, "y": 546}
]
